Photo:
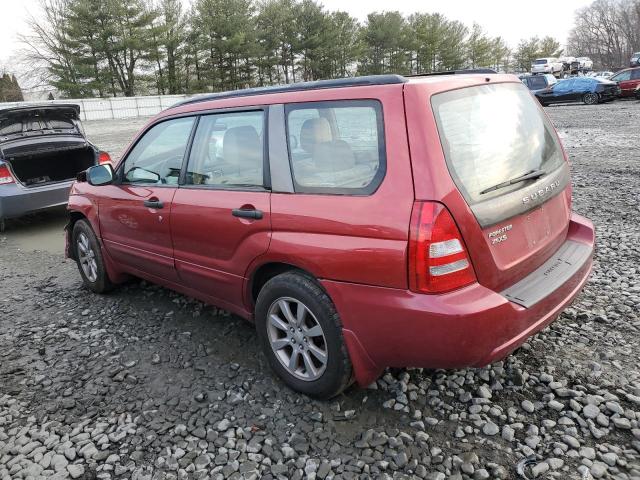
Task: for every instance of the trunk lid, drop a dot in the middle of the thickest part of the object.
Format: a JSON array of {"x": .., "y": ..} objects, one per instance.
[
  {"x": 507, "y": 164},
  {"x": 38, "y": 120}
]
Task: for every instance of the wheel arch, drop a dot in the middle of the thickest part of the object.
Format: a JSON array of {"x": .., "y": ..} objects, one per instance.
[{"x": 261, "y": 274}]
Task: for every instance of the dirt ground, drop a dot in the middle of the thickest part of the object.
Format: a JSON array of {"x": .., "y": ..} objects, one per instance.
[{"x": 147, "y": 384}]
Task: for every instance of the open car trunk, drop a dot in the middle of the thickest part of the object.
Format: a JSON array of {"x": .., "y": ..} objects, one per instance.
[
  {"x": 44, "y": 143},
  {"x": 58, "y": 163}
]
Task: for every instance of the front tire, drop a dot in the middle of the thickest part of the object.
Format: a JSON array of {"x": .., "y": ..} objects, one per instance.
[
  {"x": 301, "y": 335},
  {"x": 89, "y": 258},
  {"x": 590, "y": 98}
]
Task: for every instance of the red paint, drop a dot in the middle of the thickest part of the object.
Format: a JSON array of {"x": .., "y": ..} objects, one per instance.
[
  {"x": 628, "y": 87},
  {"x": 357, "y": 246}
]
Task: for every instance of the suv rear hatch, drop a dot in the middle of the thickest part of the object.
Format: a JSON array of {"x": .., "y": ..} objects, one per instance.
[
  {"x": 44, "y": 144},
  {"x": 508, "y": 166}
]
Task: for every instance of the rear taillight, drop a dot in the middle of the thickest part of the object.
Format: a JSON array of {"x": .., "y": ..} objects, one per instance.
[
  {"x": 5, "y": 175},
  {"x": 104, "y": 157},
  {"x": 438, "y": 259}
]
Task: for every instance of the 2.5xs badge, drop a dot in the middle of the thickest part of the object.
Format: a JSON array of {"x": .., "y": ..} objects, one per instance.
[{"x": 499, "y": 235}]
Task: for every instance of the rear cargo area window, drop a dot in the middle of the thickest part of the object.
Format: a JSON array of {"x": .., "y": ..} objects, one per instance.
[
  {"x": 491, "y": 134},
  {"x": 336, "y": 147}
]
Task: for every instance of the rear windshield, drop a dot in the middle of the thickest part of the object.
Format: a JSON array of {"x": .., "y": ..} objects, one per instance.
[
  {"x": 491, "y": 134},
  {"x": 536, "y": 83},
  {"x": 540, "y": 61}
]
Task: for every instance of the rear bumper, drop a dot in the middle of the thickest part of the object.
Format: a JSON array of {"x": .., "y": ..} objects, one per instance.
[
  {"x": 473, "y": 326},
  {"x": 16, "y": 200}
]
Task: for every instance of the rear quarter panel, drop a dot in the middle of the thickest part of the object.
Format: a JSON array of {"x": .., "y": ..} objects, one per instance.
[{"x": 359, "y": 239}]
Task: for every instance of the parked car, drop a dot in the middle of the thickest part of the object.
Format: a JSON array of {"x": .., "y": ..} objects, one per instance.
[
  {"x": 589, "y": 90},
  {"x": 360, "y": 223},
  {"x": 628, "y": 79},
  {"x": 42, "y": 149},
  {"x": 635, "y": 60},
  {"x": 586, "y": 64},
  {"x": 601, "y": 74},
  {"x": 536, "y": 83},
  {"x": 547, "y": 65}
]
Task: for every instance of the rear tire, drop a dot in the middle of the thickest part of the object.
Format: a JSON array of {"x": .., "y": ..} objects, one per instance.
[
  {"x": 591, "y": 98},
  {"x": 89, "y": 258},
  {"x": 301, "y": 335}
]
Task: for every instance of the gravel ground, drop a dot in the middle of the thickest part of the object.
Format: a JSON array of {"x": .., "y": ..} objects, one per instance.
[{"x": 147, "y": 384}]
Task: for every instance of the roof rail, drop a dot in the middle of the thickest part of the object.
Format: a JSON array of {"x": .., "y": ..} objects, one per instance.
[
  {"x": 487, "y": 71},
  {"x": 295, "y": 87}
]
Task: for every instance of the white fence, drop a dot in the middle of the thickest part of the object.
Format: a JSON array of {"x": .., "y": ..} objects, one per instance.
[{"x": 118, "y": 107}]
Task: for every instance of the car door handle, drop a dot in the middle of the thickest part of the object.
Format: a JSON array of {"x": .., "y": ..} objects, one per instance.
[
  {"x": 153, "y": 203},
  {"x": 246, "y": 213}
]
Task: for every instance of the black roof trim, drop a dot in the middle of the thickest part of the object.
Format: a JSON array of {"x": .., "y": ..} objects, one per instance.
[
  {"x": 322, "y": 84},
  {"x": 470, "y": 71},
  {"x": 296, "y": 87}
]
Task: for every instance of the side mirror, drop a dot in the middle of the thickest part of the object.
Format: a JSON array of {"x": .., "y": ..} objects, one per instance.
[{"x": 100, "y": 175}]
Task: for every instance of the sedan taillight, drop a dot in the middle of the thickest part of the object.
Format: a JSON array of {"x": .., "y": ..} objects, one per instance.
[
  {"x": 104, "y": 157},
  {"x": 5, "y": 175}
]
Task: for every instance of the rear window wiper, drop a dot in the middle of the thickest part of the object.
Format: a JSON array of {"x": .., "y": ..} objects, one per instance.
[{"x": 533, "y": 174}]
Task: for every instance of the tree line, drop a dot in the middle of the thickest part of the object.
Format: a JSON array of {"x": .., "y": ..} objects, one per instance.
[
  {"x": 608, "y": 31},
  {"x": 87, "y": 48}
]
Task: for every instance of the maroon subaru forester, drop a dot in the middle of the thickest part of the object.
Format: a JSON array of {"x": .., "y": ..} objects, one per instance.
[{"x": 360, "y": 223}]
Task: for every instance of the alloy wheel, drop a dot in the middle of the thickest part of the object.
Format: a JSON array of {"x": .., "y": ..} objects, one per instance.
[
  {"x": 297, "y": 339},
  {"x": 591, "y": 98},
  {"x": 87, "y": 258}
]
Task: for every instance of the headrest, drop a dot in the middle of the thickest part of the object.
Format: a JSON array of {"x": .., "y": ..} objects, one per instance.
[
  {"x": 242, "y": 146},
  {"x": 313, "y": 132}
]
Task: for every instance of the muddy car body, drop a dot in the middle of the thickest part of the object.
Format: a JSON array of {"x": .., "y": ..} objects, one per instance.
[
  {"x": 42, "y": 149},
  {"x": 360, "y": 223}
]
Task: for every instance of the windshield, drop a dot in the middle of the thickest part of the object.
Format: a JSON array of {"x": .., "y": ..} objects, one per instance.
[
  {"x": 491, "y": 134},
  {"x": 540, "y": 61}
]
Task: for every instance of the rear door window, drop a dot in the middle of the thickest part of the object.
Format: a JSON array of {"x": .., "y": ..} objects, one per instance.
[
  {"x": 228, "y": 151},
  {"x": 491, "y": 134},
  {"x": 336, "y": 147}
]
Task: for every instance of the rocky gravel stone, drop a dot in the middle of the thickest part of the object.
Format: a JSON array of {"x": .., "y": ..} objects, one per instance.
[{"x": 146, "y": 384}]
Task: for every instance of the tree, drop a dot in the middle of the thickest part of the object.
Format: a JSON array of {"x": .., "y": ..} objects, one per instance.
[
  {"x": 311, "y": 24},
  {"x": 479, "y": 48},
  {"x": 608, "y": 31},
  {"x": 343, "y": 42},
  {"x": 278, "y": 39},
  {"x": 549, "y": 47},
  {"x": 452, "y": 46},
  {"x": 10, "y": 90},
  {"x": 526, "y": 53},
  {"x": 48, "y": 52},
  {"x": 386, "y": 44},
  {"x": 500, "y": 54}
]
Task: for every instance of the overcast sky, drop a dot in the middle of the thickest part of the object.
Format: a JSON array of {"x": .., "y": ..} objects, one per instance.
[{"x": 511, "y": 19}]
